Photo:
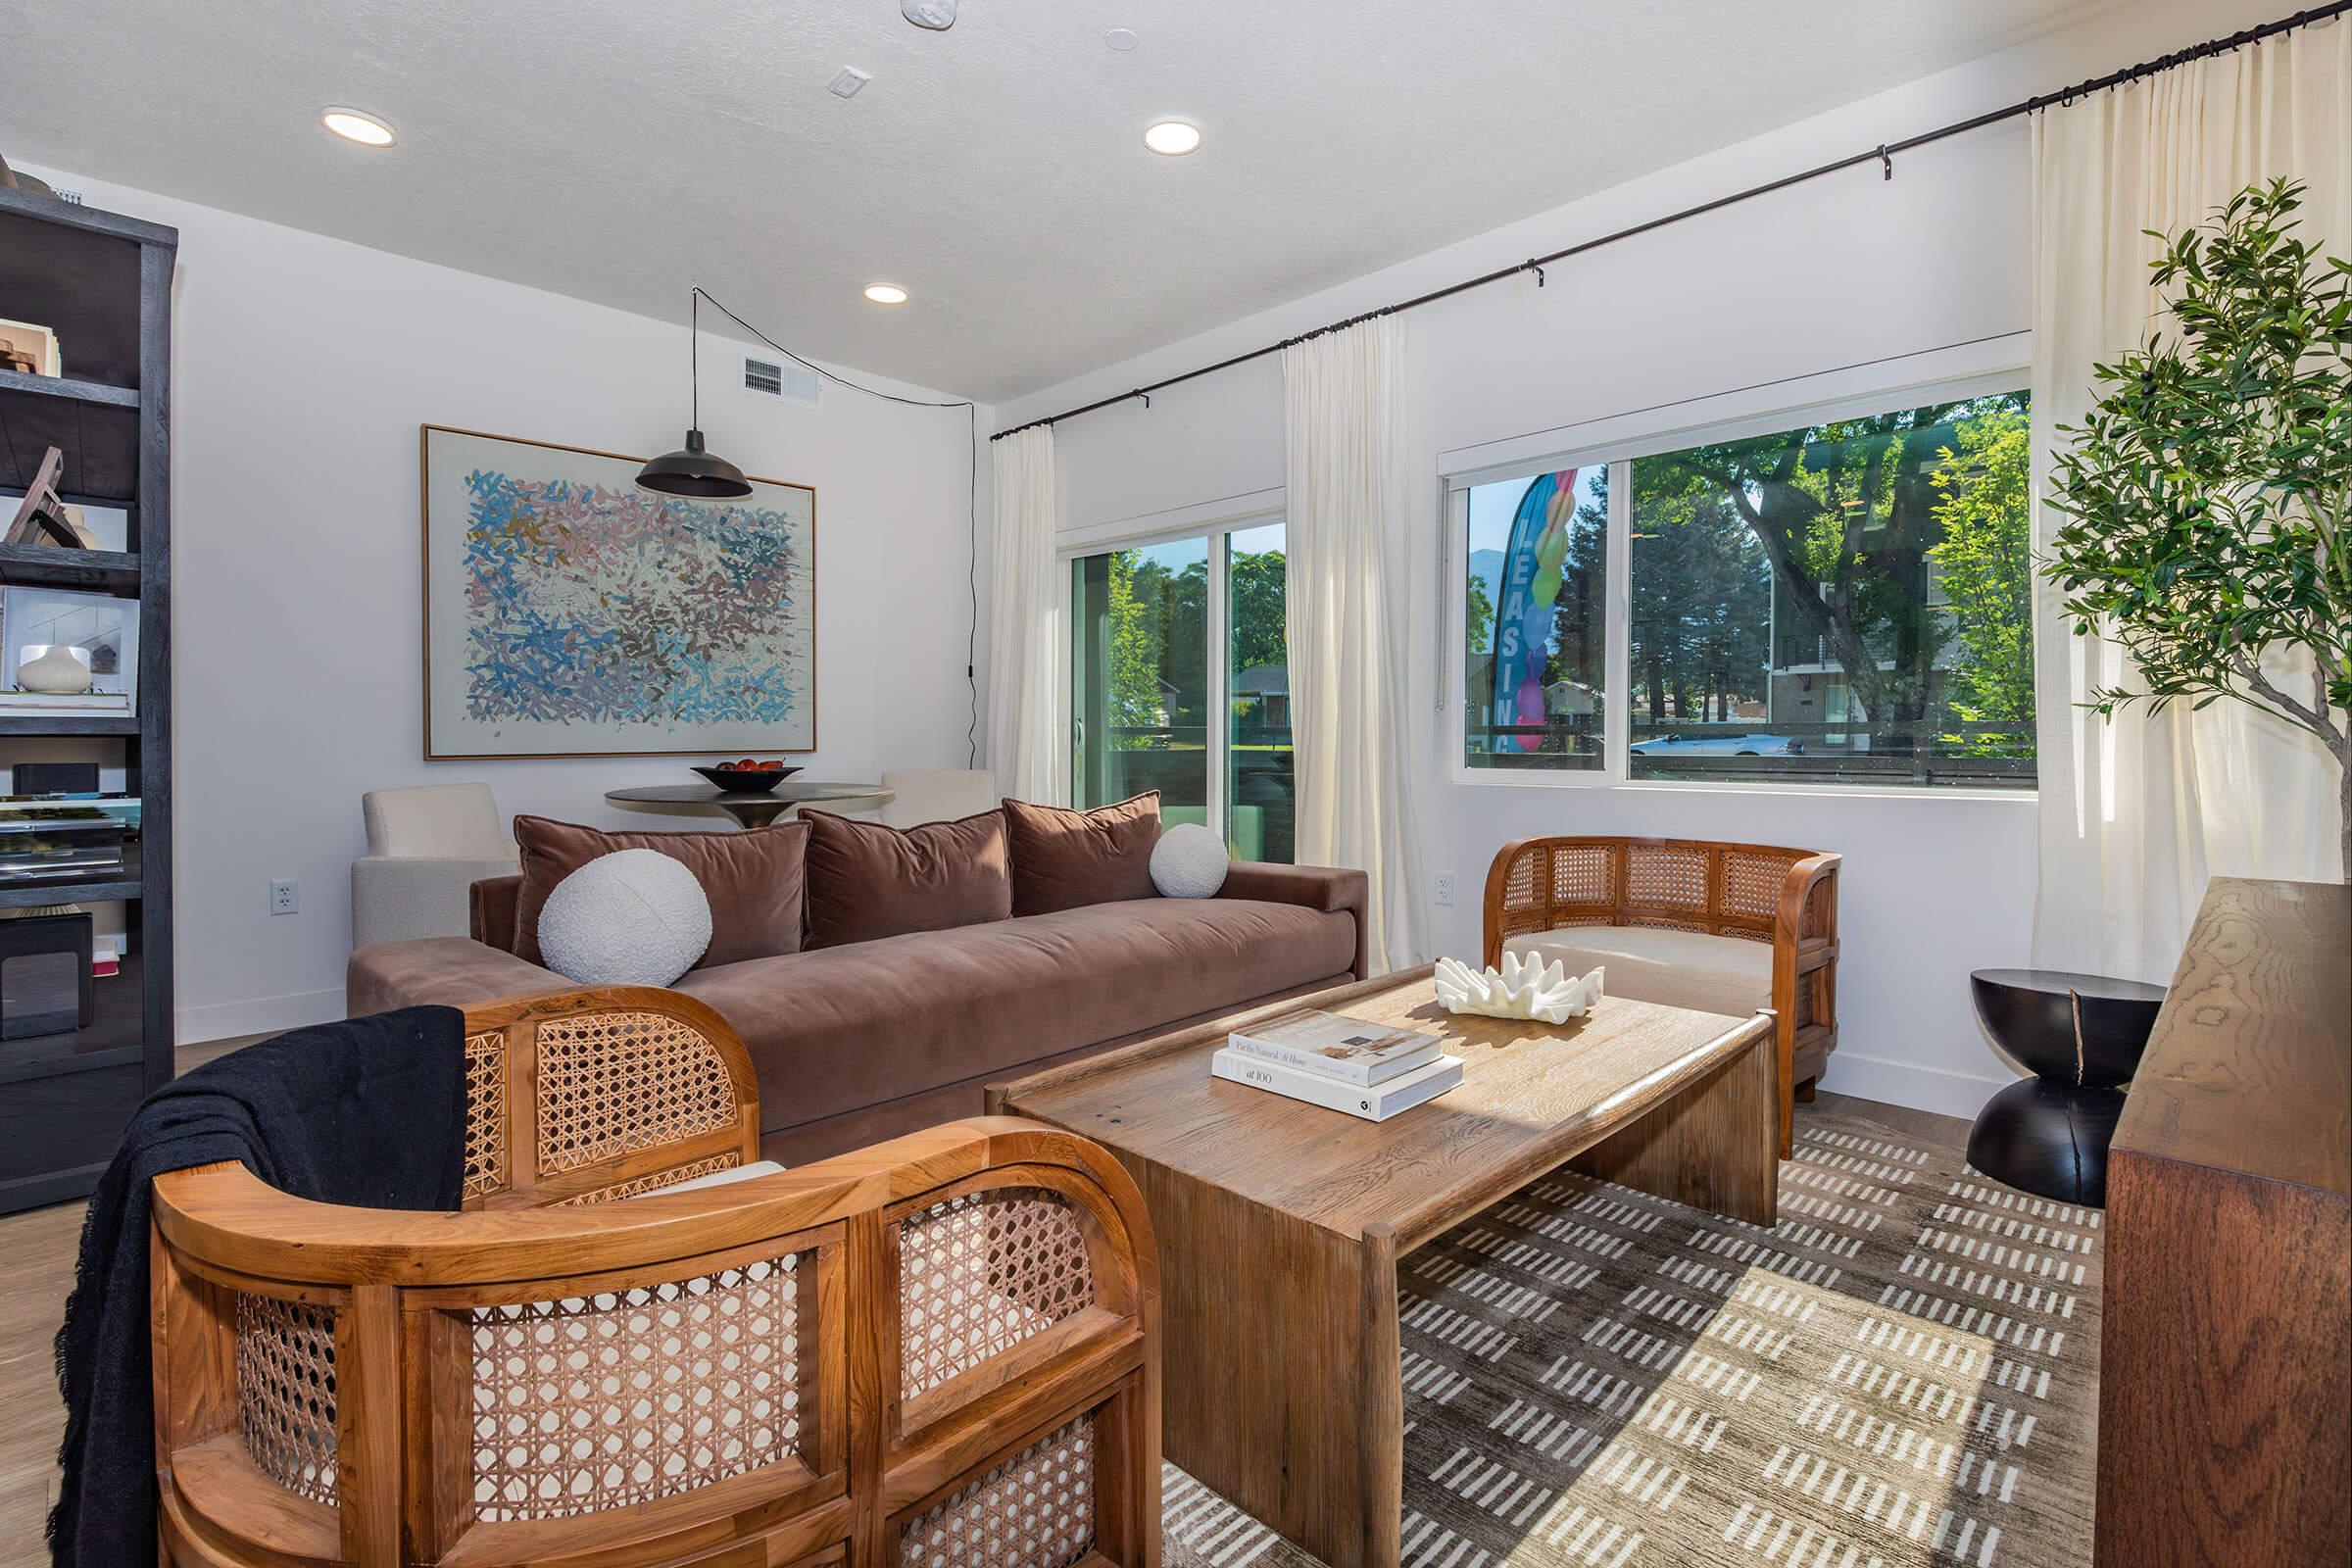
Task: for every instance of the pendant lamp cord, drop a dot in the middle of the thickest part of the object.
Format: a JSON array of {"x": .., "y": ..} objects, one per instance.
[
  {"x": 694, "y": 356},
  {"x": 972, "y": 642}
]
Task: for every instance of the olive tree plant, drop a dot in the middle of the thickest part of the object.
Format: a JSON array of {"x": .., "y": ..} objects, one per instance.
[{"x": 2208, "y": 489}]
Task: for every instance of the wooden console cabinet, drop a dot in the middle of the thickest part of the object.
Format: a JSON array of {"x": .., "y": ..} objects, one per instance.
[{"x": 2225, "y": 1351}]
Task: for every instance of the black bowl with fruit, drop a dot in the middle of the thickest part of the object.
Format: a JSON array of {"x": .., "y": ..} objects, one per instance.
[{"x": 745, "y": 776}]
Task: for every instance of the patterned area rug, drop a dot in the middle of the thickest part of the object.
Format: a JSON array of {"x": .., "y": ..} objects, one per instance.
[{"x": 1903, "y": 1373}]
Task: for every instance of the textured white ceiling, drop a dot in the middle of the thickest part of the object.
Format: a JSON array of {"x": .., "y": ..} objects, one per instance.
[{"x": 617, "y": 150}]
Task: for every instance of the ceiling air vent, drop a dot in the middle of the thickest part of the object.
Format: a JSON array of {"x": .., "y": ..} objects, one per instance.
[{"x": 780, "y": 379}]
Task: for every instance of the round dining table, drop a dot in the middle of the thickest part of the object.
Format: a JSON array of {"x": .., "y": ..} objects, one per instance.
[{"x": 755, "y": 807}]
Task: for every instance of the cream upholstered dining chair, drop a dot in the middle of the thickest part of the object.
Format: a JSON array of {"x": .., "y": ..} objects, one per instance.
[
  {"x": 936, "y": 794},
  {"x": 427, "y": 845}
]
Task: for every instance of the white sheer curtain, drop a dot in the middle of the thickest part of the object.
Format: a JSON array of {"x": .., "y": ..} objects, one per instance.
[
  {"x": 1346, "y": 512},
  {"x": 1025, "y": 728},
  {"x": 2137, "y": 813}
]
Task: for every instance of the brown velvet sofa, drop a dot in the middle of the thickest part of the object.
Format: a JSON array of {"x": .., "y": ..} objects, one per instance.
[{"x": 865, "y": 1041}]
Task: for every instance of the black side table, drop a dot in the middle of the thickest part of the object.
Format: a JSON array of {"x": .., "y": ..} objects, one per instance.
[{"x": 2081, "y": 1037}]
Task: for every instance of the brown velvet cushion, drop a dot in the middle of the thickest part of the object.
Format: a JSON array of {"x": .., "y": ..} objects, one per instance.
[
  {"x": 752, "y": 878},
  {"x": 1063, "y": 859},
  {"x": 867, "y": 881}
]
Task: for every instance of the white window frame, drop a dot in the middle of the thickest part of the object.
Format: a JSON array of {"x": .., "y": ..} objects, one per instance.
[
  {"x": 1215, "y": 522},
  {"x": 1971, "y": 371}
]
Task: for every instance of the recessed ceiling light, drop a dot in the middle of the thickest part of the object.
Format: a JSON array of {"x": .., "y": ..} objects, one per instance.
[
  {"x": 1121, "y": 38},
  {"x": 1172, "y": 138},
  {"x": 886, "y": 293},
  {"x": 352, "y": 126}
]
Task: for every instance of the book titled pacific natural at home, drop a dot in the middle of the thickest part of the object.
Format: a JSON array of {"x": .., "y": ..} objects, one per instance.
[
  {"x": 1348, "y": 1049},
  {"x": 1373, "y": 1103}
]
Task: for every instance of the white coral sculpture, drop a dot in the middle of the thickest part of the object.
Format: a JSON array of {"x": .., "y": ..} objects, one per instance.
[{"x": 1524, "y": 986}]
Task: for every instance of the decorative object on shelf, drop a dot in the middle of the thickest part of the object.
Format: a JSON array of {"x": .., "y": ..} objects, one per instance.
[
  {"x": 1189, "y": 862},
  {"x": 54, "y": 668},
  {"x": 18, "y": 179},
  {"x": 2080, "y": 1036},
  {"x": 692, "y": 472},
  {"x": 50, "y": 841},
  {"x": 106, "y": 629},
  {"x": 31, "y": 348},
  {"x": 1524, "y": 986},
  {"x": 52, "y": 778},
  {"x": 41, "y": 518},
  {"x": 635, "y": 917},
  {"x": 651, "y": 663},
  {"x": 46, "y": 987},
  {"x": 748, "y": 777}
]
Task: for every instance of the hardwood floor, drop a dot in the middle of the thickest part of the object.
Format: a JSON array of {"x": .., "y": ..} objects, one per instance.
[{"x": 40, "y": 1247}]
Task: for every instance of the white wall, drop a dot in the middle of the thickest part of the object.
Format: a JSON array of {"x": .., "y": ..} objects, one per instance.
[
  {"x": 1827, "y": 274},
  {"x": 302, "y": 368}
]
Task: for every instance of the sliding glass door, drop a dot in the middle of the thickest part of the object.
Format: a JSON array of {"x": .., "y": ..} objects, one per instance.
[{"x": 1180, "y": 683}]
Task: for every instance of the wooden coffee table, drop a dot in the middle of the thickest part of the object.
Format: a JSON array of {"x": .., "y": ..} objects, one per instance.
[{"x": 1279, "y": 1224}]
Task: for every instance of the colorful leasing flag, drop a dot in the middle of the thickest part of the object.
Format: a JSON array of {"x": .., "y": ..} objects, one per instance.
[{"x": 1530, "y": 587}]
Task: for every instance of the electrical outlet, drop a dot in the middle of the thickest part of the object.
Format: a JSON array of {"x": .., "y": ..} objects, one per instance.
[
  {"x": 1445, "y": 889},
  {"x": 282, "y": 895}
]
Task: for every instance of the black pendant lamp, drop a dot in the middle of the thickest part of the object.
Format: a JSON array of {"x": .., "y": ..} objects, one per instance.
[{"x": 691, "y": 470}]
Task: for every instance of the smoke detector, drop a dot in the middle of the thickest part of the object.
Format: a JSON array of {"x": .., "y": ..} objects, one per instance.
[{"x": 937, "y": 14}]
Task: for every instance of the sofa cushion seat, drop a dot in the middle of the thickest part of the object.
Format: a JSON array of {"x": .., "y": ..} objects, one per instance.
[
  {"x": 1729, "y": 975},
  {"x": 838, "y": 1029}
]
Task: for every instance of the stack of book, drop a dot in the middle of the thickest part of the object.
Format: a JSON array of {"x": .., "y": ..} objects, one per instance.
[
  {"x": 1371, "y": 1070},
  {"x": 78, "y": 705}
]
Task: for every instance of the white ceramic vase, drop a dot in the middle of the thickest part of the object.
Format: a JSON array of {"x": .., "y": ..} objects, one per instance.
[{"x": 57, "y": 669}]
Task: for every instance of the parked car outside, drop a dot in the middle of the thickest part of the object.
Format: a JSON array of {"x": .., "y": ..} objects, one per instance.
[{"x": 1679, "y": 745}]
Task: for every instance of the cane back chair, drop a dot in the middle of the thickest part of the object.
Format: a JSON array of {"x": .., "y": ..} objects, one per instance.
[
  {"x": 939, "y": 1349},
  {"x": 1746, "y": 892}
]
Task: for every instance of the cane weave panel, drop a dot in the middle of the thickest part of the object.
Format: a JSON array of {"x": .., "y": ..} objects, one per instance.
[
  {"x": 653, "y": 1182},
  {"x": 485, "y": 1114},
  {"x": 1752, "y": 884},
  {"x": 980, "y": 1273},
  {"x": 602, "y": 1401},
  {"x": 1033, "y": 1510},
  {"x": 1664, "y": 876},
  {"x": 1584, "y": 873},
  {"x": 285, "y": 1353},
  {"x": 1519, "y": 882},
  {"x": 611, "y": 1083}
]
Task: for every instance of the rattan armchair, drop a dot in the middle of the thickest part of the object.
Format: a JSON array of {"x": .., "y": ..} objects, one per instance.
[
  {"x": 942, "y": 1349},
  {"x": 1749, "y": 892}
]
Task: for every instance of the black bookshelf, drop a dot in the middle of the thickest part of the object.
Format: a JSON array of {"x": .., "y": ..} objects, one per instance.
[{"x": 103, "y": 283}]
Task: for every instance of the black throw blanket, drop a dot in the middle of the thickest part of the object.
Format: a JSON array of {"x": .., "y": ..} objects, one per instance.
[{"x": 370, "y": 1112}]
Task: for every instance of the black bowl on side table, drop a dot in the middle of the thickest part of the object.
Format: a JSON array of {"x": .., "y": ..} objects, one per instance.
[
  {"x": 747, "y": 780},
  {"x": 2080, "y": 1036}
]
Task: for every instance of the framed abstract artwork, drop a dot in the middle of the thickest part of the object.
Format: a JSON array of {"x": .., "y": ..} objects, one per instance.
[{"x": 570, "y": 613}]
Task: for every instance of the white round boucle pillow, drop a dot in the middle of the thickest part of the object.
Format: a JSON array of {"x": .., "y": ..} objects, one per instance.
[
  {"x": 1188, "y": 863},
  {"x": 635, "y": 917}
]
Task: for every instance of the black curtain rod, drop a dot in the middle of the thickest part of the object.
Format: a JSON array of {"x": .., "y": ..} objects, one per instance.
[{"x": 1881, "y": 154}]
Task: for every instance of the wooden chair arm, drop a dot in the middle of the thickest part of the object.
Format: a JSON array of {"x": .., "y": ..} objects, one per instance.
[
  {"x": 228, "y": 1218},
  {"x": 1796, "y": 920},
  {"x": 1498, "y": 872}
]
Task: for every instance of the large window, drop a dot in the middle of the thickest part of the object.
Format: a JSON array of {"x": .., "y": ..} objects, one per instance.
[
  {"x": 1847, "y": 602},
  {"x": 1152, "y": 706}
]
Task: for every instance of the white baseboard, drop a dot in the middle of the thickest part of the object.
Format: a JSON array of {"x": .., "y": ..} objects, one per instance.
[
  {"x": 1905, "y": 1083},
  {"x": 226, "y": 1020}
]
